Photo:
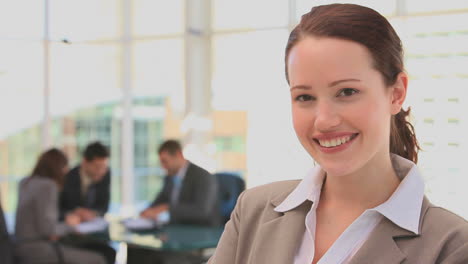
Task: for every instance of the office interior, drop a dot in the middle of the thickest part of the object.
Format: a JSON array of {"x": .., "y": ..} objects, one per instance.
[{"x": 132, "y": 73}]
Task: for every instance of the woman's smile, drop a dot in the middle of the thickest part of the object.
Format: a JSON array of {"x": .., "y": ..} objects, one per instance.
[{"x": 335, "y": 144}]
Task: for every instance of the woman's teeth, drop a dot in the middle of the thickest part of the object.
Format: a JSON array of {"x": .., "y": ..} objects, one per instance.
[{"x": 334, "y": 142}]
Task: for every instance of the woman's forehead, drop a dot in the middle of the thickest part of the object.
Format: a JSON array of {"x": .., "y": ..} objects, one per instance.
[{"x": 328, "y": 58}]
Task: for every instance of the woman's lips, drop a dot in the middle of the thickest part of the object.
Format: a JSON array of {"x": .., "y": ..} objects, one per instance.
[{"x": 335, "y": 143}]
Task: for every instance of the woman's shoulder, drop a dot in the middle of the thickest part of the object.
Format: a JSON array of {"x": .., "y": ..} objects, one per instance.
[
  {"x": 444, "y": 227},
  {"x": 37, "y": 182},
  {"x": 439, "y": 218},
  {"x": 446, "y": 233}
]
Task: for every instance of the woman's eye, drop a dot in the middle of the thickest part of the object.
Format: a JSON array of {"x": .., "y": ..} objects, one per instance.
[
  {"x": 303, "y": 98},
  {"x": 347, "y": 92}
]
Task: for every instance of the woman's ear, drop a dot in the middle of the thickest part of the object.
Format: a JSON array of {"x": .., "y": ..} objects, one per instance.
[{"x": 398, "y": 93}]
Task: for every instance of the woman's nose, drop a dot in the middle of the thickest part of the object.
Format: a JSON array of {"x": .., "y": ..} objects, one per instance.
[{"x": 327, "y": 116}]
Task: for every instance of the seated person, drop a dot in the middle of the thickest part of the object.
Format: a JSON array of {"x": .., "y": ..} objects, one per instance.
[
  {"x": 189, "y": 192},
  {"x": 189, "y": 195},
  {"x": 86, "y": 195},
  {"x": 86, "y": 192},
  {"x": 37, "y": 220}
]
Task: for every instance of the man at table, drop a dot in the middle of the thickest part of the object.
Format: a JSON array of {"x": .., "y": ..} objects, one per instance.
[
  {"x": 86, "y": 195},
  {"x": 86, "y": 191},
  {"x": 189, "y": 193}
]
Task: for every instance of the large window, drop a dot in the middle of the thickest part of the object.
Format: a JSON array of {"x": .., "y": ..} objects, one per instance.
[
  {"x": 85, "y": 86},
  {"x": 437, "y": 61},
  {"x": 22, "y": 97},
  {"x": 99, "y": 51},
  {"x": 157, "y": 18},
  {"x": 84, "y": 65},
  {"x": 85, "y": 20},
  {"x": 245, "y": 14},
  {"x": 249, "y": 76},
  {"x": 159, "y": 100}
]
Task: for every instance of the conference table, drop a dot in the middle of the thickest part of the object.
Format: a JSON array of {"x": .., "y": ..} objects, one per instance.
[{"x": 167, "y": 238}]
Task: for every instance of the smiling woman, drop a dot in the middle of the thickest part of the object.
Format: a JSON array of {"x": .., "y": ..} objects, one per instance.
[
  {"x": 364, "y": 202},
  {"x": 347, "y": 96}
]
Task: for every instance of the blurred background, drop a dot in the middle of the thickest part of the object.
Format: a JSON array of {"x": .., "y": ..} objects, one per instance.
[{"x": 131, "y": 73}]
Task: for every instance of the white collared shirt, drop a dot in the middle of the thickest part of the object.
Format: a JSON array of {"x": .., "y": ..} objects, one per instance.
[
  {"x": 85, "y": 182},
  {"x": 403, "y": 208},
  {"x": 179, "y": 178}
]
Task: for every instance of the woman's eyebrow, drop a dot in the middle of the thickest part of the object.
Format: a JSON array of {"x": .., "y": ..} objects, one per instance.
[
  {"x": 334, "y": 83},
  {"x": 343, "y": 80},
  {"x": 301, "y": 87}
]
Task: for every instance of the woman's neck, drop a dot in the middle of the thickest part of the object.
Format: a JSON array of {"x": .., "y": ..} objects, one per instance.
[{"x": 365, "y": 188}]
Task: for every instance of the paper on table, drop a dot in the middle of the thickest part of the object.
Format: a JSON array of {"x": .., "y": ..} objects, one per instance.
[
  {"x": 139, "y": 223},
  {"x": 95, "y": 225},
  {"x": 144, "y": 223}
]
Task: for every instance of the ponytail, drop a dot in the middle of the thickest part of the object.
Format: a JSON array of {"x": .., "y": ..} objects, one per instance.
[{"x": 403, "y": 140}]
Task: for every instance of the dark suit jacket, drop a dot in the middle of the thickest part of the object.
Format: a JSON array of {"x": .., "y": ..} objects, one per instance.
[
  {"x": 6, "y": 247},
  {"x": 198, "y": 198},
  {"x": 97, "y": 197}
]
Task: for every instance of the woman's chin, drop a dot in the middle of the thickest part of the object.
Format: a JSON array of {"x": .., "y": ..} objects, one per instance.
[{"x": 337, "y": 169}]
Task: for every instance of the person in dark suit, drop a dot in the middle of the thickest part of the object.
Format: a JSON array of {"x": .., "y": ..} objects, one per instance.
[
  {"x": 86, "y": 192},
  {"x": 189, "y": 195},
  {"x": 189, "y": 192},
  {"x": 86, "y": 195}
]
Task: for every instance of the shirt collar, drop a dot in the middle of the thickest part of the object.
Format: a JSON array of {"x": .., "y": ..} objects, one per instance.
[
  {"x": 85, "y": 179},
  {"x": 182, "y": 171},
  {"x": 308, "y": 189},
  {"x": 403, "y": 207}
]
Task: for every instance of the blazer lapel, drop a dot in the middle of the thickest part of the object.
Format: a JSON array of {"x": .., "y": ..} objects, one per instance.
[
  {"x": 381, "y": 246},
  {"x": 278, "y": 239}
]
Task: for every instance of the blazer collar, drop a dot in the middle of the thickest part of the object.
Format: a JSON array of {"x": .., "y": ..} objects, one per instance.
[
  {"x": 403, "y": 207},
  {"x": 278, "y": 199},
  {"x": 307, "y": 189},
  {"x": 279, "y": 237},
  {"x": 381, "y": 246}
]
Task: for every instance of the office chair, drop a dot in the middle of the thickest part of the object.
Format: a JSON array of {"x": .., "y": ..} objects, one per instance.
[{"x": 231, "y": 185}]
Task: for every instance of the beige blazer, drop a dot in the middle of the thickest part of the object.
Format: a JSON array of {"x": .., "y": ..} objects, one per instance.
[{"x": 256, "y": 234}]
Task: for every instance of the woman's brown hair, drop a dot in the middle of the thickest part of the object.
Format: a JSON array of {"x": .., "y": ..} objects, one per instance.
[
  {"x": 366, "y": 27},
  {"x": 51, "y": 165}
]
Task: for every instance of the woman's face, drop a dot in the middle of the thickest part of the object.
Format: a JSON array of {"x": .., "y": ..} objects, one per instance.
[{"x": 341, "y": 108}]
